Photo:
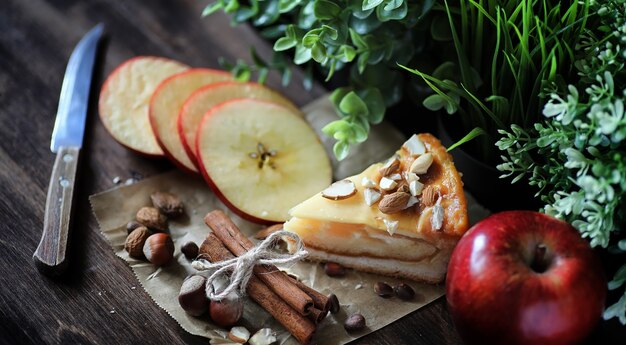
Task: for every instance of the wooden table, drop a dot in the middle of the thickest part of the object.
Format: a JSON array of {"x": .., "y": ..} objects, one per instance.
[{"x": 36, "y": 38}]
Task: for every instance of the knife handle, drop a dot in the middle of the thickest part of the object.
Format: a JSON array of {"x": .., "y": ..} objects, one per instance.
[{"x": 50, "y": 256}]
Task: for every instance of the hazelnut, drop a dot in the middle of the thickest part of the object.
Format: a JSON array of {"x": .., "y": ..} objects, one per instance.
[
  {"x": 135, "y": 241},
  {"x": 355, "y": 322},
  {"x": 192, "y": 296},
  {"x": 227, "y": 312},
  {"x": 333, "y": 301},
  {"x": 404, "y": 292},
  {"x": 159, "y": 249},
  {"x": 334, "y": 269},
  {"x": 169, "y": 204},
  {"x": 383, "y": 289},
  {"x": 152, "y": 218},
  {"x": 190, "y": 250},
  {"x": 132, "y": 225}
]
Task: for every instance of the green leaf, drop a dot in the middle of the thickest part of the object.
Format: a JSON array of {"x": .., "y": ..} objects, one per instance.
[
  {"x": 375, "y": 103},
  {"x": 360, "y": 133},
  {"x": 393, "y": 4},
  {"x": 285, "y": 6},
  {"x": 212, "y": 8},
  {"x": 346, "y": 53},
  {"x": 303, "y": 54},
  {"x": 325, "y": 10},
  {"x": 337, "y": 95},
  {"x": 353, "y": 104},
  {"x": 362, "y": 61},
  {"x": 396, "y": 14},
  {"x": 370, "y": 4},
  {"x": 357, "y": 40},
  {"x": 318, "y": 53},
  {"x": 341, "y": 149},
  {"x": 284, "y": 43},
  {"x": 476, "y": 132},
  {"x": 232, "y": 6},
  {"x": 337, "y": 126}
]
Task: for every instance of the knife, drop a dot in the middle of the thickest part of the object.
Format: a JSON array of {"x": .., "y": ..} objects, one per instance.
[{"x": 67, "y": 139}]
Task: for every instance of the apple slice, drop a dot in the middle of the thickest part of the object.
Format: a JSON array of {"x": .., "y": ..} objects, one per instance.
[
  {"x": 167, "y": 101},
  {"x": 209, "y": 96},
  {"x": 124, "y": 98},
  {"x": 260, "y": 158}
]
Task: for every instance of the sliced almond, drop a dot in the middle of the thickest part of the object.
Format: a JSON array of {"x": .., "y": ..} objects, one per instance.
[
  {"x": 436, "y": 218},
  {"x": 395, "y": 177},
  {"x": 368, "y": 183},
  {"x": 371, "y": 196},
  {"x": 264, "y": 336},
  {"x": 239, "y": 334},
  {"x": 339, "y": 190},
  {"x": 387, "y": 184},
  {"x": 394, "y": 202},
  {"x": 392, "y": 226},
  {"x": 415, "y": 146},
  {"x": 416, "y": 187},
  {"x": 390, "y": 167},
  {"x": 421, "y": 164}
]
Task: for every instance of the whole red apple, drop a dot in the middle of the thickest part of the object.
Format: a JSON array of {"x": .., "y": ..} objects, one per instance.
[{"x": 522, "y": 277}]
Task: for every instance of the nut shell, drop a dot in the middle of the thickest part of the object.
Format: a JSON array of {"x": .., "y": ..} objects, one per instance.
[
  {"x": 192, "y": 296},
  {"x": 135, "y": 242},
  {"x": 159, "y": 249},
  {"x": 190, "y": 250},
  {"x": 152, "y": 218},
  {"x": 168, "y": 203},
  {"x": 227, "y": 312}
]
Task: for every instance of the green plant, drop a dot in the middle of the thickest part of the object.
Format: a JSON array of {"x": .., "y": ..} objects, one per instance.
[
  {"x": 506, "y": 53},
  {"x": 577, "y": 157},
  {"x": 363, "y": 38}
]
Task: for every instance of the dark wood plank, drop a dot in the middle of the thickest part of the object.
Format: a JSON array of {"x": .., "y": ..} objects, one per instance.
[{"x": 98, "y": 300}]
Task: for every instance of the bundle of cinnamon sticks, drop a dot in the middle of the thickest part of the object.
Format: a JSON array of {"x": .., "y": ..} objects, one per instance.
[{"x": 298, "y": 307}]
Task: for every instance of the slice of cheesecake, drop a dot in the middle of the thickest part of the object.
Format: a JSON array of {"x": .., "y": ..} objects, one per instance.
[{"x": 400, "y": 218}]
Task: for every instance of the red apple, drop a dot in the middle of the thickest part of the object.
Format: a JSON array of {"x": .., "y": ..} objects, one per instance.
[
  {"x": 260, "y": 158},
  {"x": 167, "y": 101},
  {"x": 522, "y": 277},
  {"x": 124, "y": 98}
]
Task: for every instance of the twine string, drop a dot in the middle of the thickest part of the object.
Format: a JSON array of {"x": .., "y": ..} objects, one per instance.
[{"x": 241, "y": 268}]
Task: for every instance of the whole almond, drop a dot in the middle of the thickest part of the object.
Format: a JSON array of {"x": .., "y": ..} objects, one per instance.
[
  {"x": 135, "y": 241},
  {"x": 394, "y": 202},
  {"x": 429, "y": 195},
  {"x": 152, "y": 218},
  {"x": 168, "y": 203}
]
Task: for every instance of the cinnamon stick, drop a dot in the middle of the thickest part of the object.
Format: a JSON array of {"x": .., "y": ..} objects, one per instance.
[
  {"x": 320, "y": 301},
  {"x": 299, "y": 326},
  {"x": 316, "y": 315},
  {"x": 239, "y": 244}
]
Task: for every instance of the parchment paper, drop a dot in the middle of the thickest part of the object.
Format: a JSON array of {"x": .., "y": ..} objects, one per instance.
[{"x": 114, "y": 208}]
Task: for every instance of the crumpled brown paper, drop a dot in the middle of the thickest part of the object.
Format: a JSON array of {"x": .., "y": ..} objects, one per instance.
[{"x": 114, "y": 208}]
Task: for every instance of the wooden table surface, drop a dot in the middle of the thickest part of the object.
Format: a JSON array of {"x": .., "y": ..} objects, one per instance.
[{"x": 36, "y": 39}]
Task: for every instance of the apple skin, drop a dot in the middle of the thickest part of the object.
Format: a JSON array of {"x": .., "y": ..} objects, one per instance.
[{"x": 495, "y": 297}]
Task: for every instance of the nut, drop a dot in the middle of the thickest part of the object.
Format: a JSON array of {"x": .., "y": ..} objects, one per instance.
[
  {"x": 414, "y": 145},
  {"x": 355, "y": 322},
  {"x": 383, "y": 289},
  {"x": 416, "y": 187},
  {"x": 192, "y": 296},
  {"x": 368, "y": 183},
  {"x": 421, "y": 164},
  {"x": 135, "y": 241},
  {"x": 263, "y": 233},
  {"x": 403, "y": 187},
  {"x": 404, "y": 292},
  {"x": 391, "y": 225},
  {"x": 132, "y": 225},
  {"x": 387, "y": 184},
  {"x": 334, "y": 269},
  {"x": 333, "y": 303},
  {"x": 169, "y": 204},
  {"x": 264, "y": 336},
  {"x": 390, "y": 167},
  {"x": 190, "y": 250},
  {"x": 339, "y": 190},
  {"x": 152, "y": 218},
  {"x": 227, "y": 312},
  {"x": 394, "y": 202},
  {"x": 430, "y": 195},
  {"x": 159, "y": 249},
  {"x": 371, "y": 196},
  {"x": 239, "y": 334}
]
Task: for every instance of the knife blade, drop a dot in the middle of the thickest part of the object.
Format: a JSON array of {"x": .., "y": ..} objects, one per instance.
[{"x": 67, "y": 139}]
